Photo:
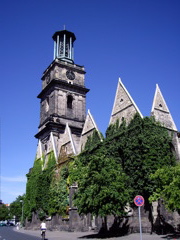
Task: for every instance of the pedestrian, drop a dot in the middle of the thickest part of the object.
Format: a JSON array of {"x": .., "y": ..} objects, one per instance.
[
  {"x": 43, "y": 226},
  {"x": 17, "y": 225}
]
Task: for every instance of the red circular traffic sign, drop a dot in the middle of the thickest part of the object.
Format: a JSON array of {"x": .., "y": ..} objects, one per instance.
[{"x": 139, "y": 201}]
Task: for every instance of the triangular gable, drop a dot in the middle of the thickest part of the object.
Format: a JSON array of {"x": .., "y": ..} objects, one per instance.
[
  {"x": 54, "y": 146},
  {"x": 44, "y": 151},
  {"x": 89, "y": 124},
  {"x": 161, "y": 112},
  {"x": 39, "y": 152},
  {"x": 124, "y": 107},
  {"x": 88, "y": 129},
  {"x": 68, "y": 141}
]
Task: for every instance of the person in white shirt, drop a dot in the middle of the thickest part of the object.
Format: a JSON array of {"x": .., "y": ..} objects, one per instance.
[{"x": 43, "y": 226}]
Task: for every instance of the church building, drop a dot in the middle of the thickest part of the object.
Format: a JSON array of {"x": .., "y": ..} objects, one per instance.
[{"x": 64, "y": 124}]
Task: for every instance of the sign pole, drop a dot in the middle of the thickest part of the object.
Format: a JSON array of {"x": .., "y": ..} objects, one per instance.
[
  {"x": 140, "y": 228},
  {"x": 139, "y": 201}
]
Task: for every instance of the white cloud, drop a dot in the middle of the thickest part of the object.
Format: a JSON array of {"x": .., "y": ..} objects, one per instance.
[
  {"x": 14, "y": 179},
  {"x": 12, "y": 192},
  {"x": 11, "y": 188}
]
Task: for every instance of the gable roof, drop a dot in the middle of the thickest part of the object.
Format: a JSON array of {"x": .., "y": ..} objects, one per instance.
[
  {"x": 124, "y": 106},
  {"x": 160, "y": 110},
  {"x": 67, "y": 138},
  {"x": 89, "y": 123},
  {"x": 88, "y": 129}
]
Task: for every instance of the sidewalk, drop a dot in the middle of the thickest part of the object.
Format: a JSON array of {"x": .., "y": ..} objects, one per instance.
[{"x": 62, "y": 235}]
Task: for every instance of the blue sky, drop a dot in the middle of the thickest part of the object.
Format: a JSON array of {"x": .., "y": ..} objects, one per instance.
[{"x": 137, "y": 40}]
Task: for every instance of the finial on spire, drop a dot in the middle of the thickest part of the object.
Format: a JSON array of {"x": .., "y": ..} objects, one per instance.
[
  {"x": 64, "y": 27},
  {"x": 120, "y": 80}
]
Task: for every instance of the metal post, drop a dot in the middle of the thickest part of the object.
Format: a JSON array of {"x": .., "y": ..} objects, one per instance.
[
  {"x": 139, "y": 210},
  {"x": 57, "y": 47},
  {"x": 54, "y": 49},
  {"x": 22, "y": 213},
  {"x": 64, "y": 50},
  {"x": 70, "y": 48}
]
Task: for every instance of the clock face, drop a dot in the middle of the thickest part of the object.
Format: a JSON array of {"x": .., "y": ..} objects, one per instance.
[{"x": 70, "y": 75}]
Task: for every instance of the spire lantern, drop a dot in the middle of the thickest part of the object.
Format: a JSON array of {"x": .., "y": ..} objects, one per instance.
[{"x": 63, "y": 45}]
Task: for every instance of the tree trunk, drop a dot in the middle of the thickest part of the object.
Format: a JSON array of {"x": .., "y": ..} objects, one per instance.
[{"x": 104, "y": 229}]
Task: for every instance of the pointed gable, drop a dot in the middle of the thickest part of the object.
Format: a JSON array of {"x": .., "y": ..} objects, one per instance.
[
  {"x": 124, "y": 107},
  {"x": 67, "y": 142},
  {"x": 39, "y": 152},
  {"x": 89, "y": 124},
  {"x": 161, "y": 112},
  {"x": 88, "y": 129},
  {"x": 53, "y": 141}
]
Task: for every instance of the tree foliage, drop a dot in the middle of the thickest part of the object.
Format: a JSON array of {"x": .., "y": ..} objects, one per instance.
[
  {"x": 102, "y": 185},
  {"x": 16, "y": 207},
  {"x": 110, "y": 173},
  {"x": 4, "y": 212},
  {"x": 167, "y": 182}
]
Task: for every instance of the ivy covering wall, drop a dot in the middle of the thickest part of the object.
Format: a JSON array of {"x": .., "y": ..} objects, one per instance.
[
  {"x": 46, "y": 190},
  {"x": 109, "y": 171}
]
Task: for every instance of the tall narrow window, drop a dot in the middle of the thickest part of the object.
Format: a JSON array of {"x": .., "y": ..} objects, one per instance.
[
  {"x": 69, "y": 101},
  {"x": 47, "y": 104}
]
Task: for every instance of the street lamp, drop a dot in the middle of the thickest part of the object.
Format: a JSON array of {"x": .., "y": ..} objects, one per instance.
[{"x": 22, "y": 213}]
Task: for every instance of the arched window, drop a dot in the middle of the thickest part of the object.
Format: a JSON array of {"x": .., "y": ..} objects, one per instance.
[{"x": 69, "y": 101}]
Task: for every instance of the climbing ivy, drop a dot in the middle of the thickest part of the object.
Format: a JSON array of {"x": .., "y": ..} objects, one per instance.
[
  {"x": 141, "y": 148},
  {"x": 117, "y": 169},
  {"x": 93, "y": 140},
  {"x": 59, "y": 193},
  {"x": 30, "y": 203},
  {"x": 37, "y": 189},
  {"x": 109, "y": 171}
]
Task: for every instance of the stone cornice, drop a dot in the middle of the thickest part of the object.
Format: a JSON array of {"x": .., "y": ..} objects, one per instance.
[{"x": 61, "y": 84}]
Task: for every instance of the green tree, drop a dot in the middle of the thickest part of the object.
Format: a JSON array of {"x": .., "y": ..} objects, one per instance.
[
  {"x": 4, "y": 212},
  {"x": 103, "y": 187},
  {"x": 108, "y": 172},
  {"x": 167, "y": 182},
  {"x": 16, "y": 207}
]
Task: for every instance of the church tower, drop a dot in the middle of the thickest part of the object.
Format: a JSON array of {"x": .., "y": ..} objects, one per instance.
[{"x": 62, "y": 100}]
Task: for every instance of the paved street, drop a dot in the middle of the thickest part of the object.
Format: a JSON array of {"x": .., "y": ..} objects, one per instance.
[{"x": 8, "y": 233}]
